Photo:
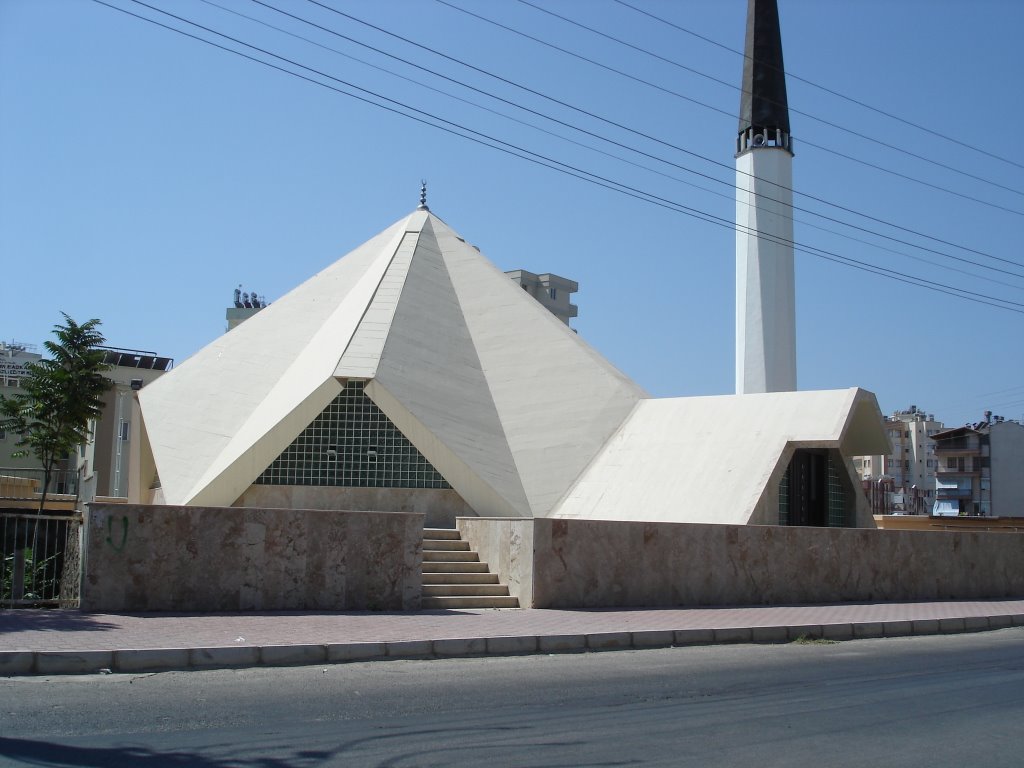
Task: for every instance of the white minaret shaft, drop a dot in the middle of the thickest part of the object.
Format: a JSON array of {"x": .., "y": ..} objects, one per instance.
[
  {"x": 765, "y": 300},
  {"x": 765, "y": 281}
]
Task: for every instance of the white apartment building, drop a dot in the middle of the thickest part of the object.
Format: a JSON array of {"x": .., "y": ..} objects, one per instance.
[{"x": 911, "y": 463}]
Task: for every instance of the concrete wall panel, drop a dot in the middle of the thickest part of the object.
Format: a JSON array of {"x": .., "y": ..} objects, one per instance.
[
  {"x": 507, "y": 547},
  {"x": 595, "y": 563},
  {"x": 439, "y": 506},
  {"x": 168, "y": 558}
]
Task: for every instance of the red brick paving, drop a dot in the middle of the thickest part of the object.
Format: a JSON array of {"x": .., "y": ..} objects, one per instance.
[{"x": 37, "y": 630}]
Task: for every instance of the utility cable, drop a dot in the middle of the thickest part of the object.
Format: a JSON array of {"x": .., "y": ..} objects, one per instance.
[
  {"x": 555, "y": 164},
  {"x": 733, "y": 86},
  {"x": 826, "y": 89},
  {"x": 644, "y": 135},
  {"x": 648, "y": 155},
  {"x": 619, "y": 158},
  {"x": 624, "y": 146}
]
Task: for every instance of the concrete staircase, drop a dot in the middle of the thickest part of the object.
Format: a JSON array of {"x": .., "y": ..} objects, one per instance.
[{"x": 454, "y": 577}]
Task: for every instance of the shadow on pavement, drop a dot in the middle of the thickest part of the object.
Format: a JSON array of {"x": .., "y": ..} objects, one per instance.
[
  {"x": 35, "y": 620},
  {"x": 49, "y": 754}
]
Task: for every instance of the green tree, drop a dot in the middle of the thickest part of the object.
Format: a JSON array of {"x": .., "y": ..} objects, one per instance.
[{"x": 59, "y": 396}]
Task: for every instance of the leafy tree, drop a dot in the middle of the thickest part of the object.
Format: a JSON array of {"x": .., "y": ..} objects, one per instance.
[{"x": 59, "y": 396}]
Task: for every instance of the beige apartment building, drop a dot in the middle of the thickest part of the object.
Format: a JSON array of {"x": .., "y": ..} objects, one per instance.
[{"x": 909, "y": 469}]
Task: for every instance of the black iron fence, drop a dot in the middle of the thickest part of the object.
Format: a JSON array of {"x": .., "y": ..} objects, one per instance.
[{"x": 41, "y": 560}]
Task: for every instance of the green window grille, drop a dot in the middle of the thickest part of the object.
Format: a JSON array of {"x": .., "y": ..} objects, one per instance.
[
  {"x": 352, "y": 444},
  {"x": 834, "y": 507},
  {"x": 837, "y": 517},
  {"x": 784, "y": 498}
]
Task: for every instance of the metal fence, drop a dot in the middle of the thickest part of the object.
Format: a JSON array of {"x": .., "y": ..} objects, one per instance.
[
  {"x": 41, "y": 560},
  {"x": 27, "y": 483}
]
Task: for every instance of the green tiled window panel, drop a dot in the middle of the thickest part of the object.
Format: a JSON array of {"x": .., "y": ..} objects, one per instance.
[
  {"x": 784, "y": 499},
  {"x": 837, "y": 506},
  {"x": 352, "y": 444}
]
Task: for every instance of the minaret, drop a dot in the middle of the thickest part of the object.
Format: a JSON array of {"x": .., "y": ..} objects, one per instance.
[{"x": 765, "y": 302}]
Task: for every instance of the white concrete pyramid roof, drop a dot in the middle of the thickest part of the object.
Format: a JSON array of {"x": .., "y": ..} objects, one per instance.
[{"x": 500, "y": 396}]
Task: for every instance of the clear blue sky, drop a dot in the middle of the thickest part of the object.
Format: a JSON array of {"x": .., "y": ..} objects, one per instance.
[{"x": 143, "y": 175}]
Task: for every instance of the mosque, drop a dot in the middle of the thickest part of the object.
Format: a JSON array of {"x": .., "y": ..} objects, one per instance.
[
  {"x": 409, "y": 426},
  {"x": 413, "y": 375}
]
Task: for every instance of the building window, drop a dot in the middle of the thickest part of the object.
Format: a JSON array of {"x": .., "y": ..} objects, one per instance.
[
  {"x": 554, "y": 293},
  {"x": 352, "y": 444},
  {"x": 951, "y": 462}
]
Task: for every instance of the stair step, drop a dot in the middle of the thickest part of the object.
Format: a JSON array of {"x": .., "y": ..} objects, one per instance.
[
  {"x": 445, "y": 544},
  {"x": 464, "y": 590},
  {"x": 441, "y": 533},
  {"x": 460, "y": 578},
  {"x": 470, "y": 602},
  {"x": 446, "y": 556},
  {"x": 449, "y": 567}
]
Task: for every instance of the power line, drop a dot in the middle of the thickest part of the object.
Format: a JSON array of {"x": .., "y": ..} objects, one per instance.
[
  {"x": 624, "y": 146},
  {"x": 591, "y": 148},
  {"x": 792, "y": 109},
  {"x": 637, "y": 132},
  {"x": 727, "y": 113},
  {"x": 648, "y": 155},
  {"x": 558, "y": 165},
  {"x": 826, "y": 89}
]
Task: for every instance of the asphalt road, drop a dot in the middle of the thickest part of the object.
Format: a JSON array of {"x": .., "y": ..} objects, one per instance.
[{"x": 924, "y": 701}]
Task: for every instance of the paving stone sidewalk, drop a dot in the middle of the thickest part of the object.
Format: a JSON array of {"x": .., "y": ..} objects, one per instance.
[{"x": 55, "y": 642}]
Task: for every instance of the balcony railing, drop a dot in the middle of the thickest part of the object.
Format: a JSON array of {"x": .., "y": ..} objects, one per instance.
[
  {"x": 26, "y": 484},
  {"x": 957, "y": 446}
]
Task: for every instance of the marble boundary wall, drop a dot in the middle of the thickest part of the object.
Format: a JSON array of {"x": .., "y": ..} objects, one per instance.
[
  {"x": 440, "y": 506},
  {"x": 550, "y": 563},
  {"x": 175, "y": 558}
]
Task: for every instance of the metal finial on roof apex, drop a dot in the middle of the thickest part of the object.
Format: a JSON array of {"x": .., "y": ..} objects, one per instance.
[{"x": 423, "y": 197}]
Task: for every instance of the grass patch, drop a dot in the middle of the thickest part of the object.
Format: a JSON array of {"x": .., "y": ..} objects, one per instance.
[{"x": 810, "y": 640}]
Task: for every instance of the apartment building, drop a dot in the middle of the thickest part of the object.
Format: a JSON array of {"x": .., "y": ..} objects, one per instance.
[
  {"x": 981, "y": 469},
  {"x": 911, "y": 463}
]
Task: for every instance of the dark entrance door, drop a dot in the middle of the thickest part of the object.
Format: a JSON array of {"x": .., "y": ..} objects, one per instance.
[{"x": 808, "y": 488}]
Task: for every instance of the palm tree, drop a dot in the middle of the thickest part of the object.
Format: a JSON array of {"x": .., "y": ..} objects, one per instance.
[{"x": 59, "y": 397}]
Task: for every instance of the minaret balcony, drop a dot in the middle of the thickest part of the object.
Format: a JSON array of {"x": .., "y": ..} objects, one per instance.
[{"x": 761, "y": 138}]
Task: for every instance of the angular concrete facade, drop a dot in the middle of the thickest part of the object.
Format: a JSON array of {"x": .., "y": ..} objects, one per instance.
[
  {"x": 506, "y": 402},
  {"x": 721, "y": 459},
  {"x": 507, "y": 410}
]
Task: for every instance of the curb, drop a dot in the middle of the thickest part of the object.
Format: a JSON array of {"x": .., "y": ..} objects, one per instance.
[{"x": 129, "y": 660}]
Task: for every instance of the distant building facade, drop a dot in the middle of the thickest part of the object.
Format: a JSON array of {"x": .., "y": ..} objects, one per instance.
[
  {"x": 981, "y": 469},
  {"x": 14, "y": 359},
  {"x": 908, "y": 471},
  {"x": 104, "y": 461},
  {"x": 551, "y": 291},
  {"x": 245, "y": 305}
]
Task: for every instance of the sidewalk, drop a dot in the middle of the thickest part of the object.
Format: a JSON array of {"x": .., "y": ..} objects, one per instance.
[{"x": 70, "y": 642}]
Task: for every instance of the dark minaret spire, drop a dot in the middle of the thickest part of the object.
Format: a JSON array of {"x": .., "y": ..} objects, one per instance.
[{"x": 764, "y": 110}]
